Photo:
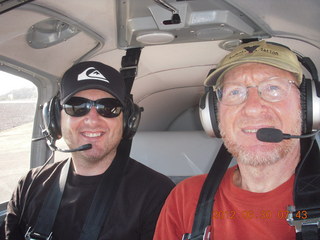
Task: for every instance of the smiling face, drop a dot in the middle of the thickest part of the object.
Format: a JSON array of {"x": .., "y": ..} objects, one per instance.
[
  {"x": 103, "y": 133},
  {"x": 239, "y": 123}
]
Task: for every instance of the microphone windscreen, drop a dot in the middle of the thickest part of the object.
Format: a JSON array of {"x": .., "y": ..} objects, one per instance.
[
  {"x": 269, "y": 135},
  {"x": 85, "y": 147}
]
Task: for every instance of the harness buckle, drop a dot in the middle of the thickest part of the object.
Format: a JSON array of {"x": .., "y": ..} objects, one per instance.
[
  {"x": 204, "y": 236},
  {"x": 186, "y": 236},
  {"x": 301, "y": 218},
  {"x": 129, "y": 71},
  {"x": 31, "y": 235}
]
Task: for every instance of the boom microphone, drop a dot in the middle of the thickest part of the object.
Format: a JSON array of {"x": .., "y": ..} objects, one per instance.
[
  {"x": 81, "y": 148},
  {"x": 51, "y": 144},
  {"x": 275, "y": 135},
  {"x": 53, "y": 147}
]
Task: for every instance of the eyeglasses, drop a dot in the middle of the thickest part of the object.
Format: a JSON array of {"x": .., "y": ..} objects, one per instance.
[
  {"x": 273, "y": 89},
  {"x": 106, "y": 107}
]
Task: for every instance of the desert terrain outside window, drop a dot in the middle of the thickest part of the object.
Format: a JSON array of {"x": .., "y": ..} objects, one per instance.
[{"x": 18, "y": 98}]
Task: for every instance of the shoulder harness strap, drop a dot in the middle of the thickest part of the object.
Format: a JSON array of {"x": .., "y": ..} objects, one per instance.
[
  {"x": 202, "y": 219},
  {"x": 49, "y": 209},
  {"x": 305, "y": 214}
]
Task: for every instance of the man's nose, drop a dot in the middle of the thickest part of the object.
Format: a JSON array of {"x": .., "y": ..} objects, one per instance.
[
  {"x": 254, "y": 103},
  {"x": 92, "y": 115}
]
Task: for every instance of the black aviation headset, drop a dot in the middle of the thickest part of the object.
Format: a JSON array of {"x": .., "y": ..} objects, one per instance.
[
  {"x": 309, "y": 95},
  {"x": 51, "y": 114}
]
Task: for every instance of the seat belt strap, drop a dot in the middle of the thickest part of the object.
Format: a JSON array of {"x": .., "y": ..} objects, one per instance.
[
  {"x": 105, "y": 194},
  {"x": 310, "y": 232},
  {"x": 201, "y": 228},
  {"x": 49, "y": 209},
  {"x": 129, "y": 67}
]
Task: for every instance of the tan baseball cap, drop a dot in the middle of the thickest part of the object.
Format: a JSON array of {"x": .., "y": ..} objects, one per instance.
[{"x": 257, "y": 52}]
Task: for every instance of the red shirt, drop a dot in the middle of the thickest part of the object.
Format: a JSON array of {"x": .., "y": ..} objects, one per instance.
[{"x": 237, "y": 213}]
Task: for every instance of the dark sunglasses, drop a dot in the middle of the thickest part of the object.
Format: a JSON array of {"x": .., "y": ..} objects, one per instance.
[{"x": 106, "y": 107}]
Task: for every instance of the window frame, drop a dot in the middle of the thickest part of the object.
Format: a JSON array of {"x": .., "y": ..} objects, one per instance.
[{"x": 47, "y": 87}]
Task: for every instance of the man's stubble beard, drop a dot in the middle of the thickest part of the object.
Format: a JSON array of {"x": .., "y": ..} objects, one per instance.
[{"x": 255, "y": 158}]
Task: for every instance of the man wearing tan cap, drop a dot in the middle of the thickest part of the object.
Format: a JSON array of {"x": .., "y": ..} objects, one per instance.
[{"x": 256, "y": 86}]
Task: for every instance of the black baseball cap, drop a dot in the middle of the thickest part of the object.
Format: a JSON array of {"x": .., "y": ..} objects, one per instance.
[{"x": 92, "y": 75}]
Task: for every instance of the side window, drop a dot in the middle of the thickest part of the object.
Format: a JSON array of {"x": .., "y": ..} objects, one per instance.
[{"x": 18, "y": 99}]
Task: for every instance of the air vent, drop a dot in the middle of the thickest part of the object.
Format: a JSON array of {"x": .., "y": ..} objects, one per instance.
[{"x": 49, "y": 32}]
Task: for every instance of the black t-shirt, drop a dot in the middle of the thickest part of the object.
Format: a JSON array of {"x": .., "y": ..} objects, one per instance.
[{"x": 133, "y": 215}]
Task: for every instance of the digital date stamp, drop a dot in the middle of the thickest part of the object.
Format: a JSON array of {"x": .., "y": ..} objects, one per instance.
[{"x": 251, "y": 214}]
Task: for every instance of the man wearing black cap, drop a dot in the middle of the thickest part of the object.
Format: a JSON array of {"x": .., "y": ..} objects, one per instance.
[{"x": 93, "y": 105}]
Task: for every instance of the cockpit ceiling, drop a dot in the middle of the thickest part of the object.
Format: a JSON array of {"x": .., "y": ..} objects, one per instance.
[{"x": 112, "y": 26}]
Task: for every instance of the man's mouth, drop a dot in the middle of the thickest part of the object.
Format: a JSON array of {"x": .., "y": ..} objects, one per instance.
[
  {"x": 250, "y": 130},
  {"x": 92, "y": 134}
]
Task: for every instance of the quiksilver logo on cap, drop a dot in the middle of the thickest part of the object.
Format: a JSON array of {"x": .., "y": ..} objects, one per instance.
[{"x": 92, "y": 74}]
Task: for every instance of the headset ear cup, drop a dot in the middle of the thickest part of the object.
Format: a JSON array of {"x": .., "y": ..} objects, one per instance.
[
  {"x": 315, "y": 105},
  {"x": 214, "y": 115},
  {"x": 306, "y": 105},
  {"x": 131, "y": 119},
  {"x": 303, "y": 102},
  {"x": 208, "y": 113},
  {"x": 57, "y": 118},
  {"x": 51, "y": 114}
]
